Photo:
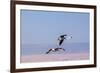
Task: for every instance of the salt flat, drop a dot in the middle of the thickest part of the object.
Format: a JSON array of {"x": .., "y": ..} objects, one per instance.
[{"x": 54, "y": 57}]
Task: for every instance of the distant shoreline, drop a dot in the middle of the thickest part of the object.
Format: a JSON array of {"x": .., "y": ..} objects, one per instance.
[{"x": 54, "y": 57}]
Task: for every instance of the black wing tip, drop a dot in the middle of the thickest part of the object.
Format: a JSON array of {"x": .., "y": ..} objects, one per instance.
[{"x": 47, "y": 52}]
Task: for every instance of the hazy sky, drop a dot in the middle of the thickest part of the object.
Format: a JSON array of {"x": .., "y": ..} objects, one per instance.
[{"x": 39, "y": 27}]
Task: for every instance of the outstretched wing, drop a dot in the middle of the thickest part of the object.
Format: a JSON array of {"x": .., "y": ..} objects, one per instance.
[
  {"x": 70, "y": 37},
  {"x": 62, "y": 49},
  {"x": 63, "y": 35},
  {"x": 48, "y": 51},
  {"x": 61, "y": 41}
]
